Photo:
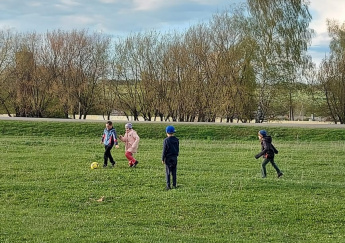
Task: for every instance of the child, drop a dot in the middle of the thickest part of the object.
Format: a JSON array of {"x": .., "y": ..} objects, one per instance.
[
  {"x": 109, "y": 139},
  {"x": 169, "y": 156},
  {"x": 131, "y": 140},
  {"x": 267, "y": 151}
]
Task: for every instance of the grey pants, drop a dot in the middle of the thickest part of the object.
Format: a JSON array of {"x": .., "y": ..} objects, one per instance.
[{"x": 263, "y": 167}]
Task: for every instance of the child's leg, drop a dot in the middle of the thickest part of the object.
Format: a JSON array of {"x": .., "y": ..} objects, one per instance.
[
  {"x": 112, "y": 161},
  {"x": 167, "y": 176},
  {"x": 263, "y": 168},
  {"x": 130, "y": 158},
  {"x": 275, "y": 166},
  {"x": 107, "y": 155},
  {"x": 173, "y": 173}
]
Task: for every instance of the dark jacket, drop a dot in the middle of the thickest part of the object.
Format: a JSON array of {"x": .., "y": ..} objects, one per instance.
[
  {"x": 171, "y": 148},
  {"x": 267, "y": 148}
]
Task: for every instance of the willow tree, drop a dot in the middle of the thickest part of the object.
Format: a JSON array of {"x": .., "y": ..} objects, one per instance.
[
  {"x": 7, "y": 37},
  {"x": 77, "y": 61},
  {"x": 281, "y": 30},
  {"x": 233, "y": 65},
  {"x": 201, "y": 83},
  {"x": 332, "y": 72},
  {"x": 30, "y": 81}
]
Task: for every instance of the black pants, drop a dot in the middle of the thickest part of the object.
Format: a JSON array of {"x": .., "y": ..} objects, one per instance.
[
  {"x": 170, "y": 169},
  {"x": 107, "y": 155},
  {"x": 263, "y": 166}
]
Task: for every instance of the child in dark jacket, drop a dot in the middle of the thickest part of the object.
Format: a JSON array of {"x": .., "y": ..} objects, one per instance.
[
  {"x": 267, "y": 152},
  {"x": 169, "y": 156}
]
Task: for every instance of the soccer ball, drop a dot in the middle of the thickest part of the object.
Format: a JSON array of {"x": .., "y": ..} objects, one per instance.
[{"x": 94, "y": 165}]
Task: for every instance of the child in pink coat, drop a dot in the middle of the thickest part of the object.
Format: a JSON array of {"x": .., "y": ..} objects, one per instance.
[{"x": 131, "y": 140}]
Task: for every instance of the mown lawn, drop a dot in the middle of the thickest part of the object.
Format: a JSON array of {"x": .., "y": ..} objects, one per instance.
[{"x": 48, "y": 193}]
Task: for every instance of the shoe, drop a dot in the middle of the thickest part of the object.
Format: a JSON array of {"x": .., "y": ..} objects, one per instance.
[
  {"x": 280, "y": 174},
  {"x": 105, "y": 166},
  {"x": 168, "y": 188},
  {"x": 130, "y": 164},
  {"x": 174, "y": 187},
  {"x": 135, "y": 163},
  {"x": 113, "y": 165}
]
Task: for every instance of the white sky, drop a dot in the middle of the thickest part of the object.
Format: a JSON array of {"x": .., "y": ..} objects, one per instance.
[
  {"x": 121, "y": 17},
  {"x": 322, "y": 10}
]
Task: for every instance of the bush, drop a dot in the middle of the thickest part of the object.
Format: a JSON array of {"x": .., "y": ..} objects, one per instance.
[{"x": 154, "y": 130}]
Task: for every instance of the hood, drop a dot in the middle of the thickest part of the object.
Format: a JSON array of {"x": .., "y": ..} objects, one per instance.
[{"x": 268, "y": 139}]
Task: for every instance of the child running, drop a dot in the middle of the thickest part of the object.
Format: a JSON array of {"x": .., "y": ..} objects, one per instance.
[
  {"x": 267, "y": 152},
  {"x": 109, "y": 139},
  {"x": 131, "y": 140}
]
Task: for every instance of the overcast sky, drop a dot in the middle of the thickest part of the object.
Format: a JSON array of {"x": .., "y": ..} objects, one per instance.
[{"x": 121, "y": 17}]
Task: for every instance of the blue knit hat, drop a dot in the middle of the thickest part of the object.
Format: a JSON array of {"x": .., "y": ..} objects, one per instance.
[
  {"x": 170, "y": 129},
  {"x": 263, "y": 133}
]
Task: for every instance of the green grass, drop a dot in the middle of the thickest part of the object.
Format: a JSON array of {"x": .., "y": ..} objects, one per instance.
[{"x": 48, "y": 193}]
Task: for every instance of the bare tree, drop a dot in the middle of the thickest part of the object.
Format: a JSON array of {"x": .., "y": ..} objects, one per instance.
[
  {"x": 108, "y": 101},
  {"x": 126, "y": 70},
  {"x": 150, "y": 50},
  {"x": 78, "y": 60},
  {"x": 7, "y": 38}
]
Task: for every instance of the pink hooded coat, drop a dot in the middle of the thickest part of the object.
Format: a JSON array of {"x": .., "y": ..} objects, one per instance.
[{"x": 131, "y": 140}]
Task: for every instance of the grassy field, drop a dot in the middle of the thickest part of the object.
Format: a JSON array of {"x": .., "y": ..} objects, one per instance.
[{"x": 48, "y": 193}]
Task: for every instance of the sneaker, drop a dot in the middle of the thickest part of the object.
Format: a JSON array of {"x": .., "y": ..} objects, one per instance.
[
  {"x": 105, "y": 166},
  {"x": 168, "y": 188},
  {"x": 135, "y": 163},
  {"x": 280, "y": 174},
  {"x": 174, "y": 187},
  {"x": 113, "y": 165},
  {"x": 130, "y": 164}
]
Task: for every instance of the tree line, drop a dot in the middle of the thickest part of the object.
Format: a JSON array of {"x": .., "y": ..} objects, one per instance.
[{"x": 246, "y": 63}]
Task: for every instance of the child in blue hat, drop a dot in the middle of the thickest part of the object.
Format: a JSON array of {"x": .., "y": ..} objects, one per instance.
[
  {"x": 169, "y": 156},
  {"x": 267, "y": 152}
]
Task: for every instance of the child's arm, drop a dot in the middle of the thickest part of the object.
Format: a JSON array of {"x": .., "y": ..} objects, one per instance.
[
  {"x": 102, "y": 139},
  {"x": 264, "y": 151},
  {"x": 114, "y": 137},
  {"x": 122, "y": 138},
  {"x": 164, "y": 151}
]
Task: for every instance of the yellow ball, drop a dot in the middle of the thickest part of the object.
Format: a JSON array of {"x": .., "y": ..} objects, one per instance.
[{"x": 94, "y": 165}]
